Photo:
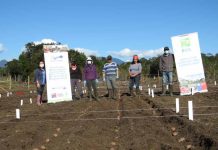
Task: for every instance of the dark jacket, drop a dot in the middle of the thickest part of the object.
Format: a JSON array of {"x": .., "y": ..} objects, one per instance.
[
  {"x": 38, "y": 76},
  {"x": 89, "y": 72},
  {"x": 75, "y": 74},
  {"x": 166, "y": 62}
]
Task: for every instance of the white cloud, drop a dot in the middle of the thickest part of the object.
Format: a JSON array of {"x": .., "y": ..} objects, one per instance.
[
  {"x": 2, "y": 48},
  {"x": 45, "y": 41},
  {"x": 87, "y": 52},
  {"x": 126, "y": 52}
]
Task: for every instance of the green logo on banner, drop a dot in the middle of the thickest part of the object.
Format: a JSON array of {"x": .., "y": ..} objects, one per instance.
[{"x": 185, "y": 43}]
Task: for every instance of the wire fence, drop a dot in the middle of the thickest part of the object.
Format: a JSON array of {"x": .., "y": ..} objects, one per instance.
[{"x": 105, "y": 118}]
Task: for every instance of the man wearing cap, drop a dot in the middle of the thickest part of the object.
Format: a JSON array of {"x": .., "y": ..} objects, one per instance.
[
  {"x": 110, "y": 74},
  {"x": 166, "y": 67}
]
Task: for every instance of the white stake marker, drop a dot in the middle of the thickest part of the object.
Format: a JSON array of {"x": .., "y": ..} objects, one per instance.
[
  {"x": 152, "y": 93},
  {"x": 17, "y": 113},
  {"x": 140, "y": 87},
  {"x": 192, "y": 91},
  {"x": 177, "y": 105},
  {"x": 31, "y": 101},
  {"x": 149, "y": 91},
  {"x": 214, "y": 82},
  {"x": 0, "y": 95},
  {"x": 7, "y": 94},
  {"x": 31, "y": 92},
  {"x": 190, "y": 110},
  {"x": 21, "y": 102},
  {"x": 167, "y": 87}
]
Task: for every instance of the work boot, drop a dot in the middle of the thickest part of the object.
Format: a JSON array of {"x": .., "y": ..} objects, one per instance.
[
  {"x": 171, "y": 89},
  {"x": 163, "y": 90},
  {"x": 137, "y": 92},
  {"x": 110, "y": 93},
  {"x": 90, "y": 95},
  {"x": 96, "y": 95},
  {"x": 73, "y": 97},
  {"x": 115, "y": 94},
  {"x": 131, "y": 92}
]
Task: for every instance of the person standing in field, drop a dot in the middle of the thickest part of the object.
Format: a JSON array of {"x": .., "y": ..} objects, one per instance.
[
  {"x": 135, "y": 70},
  {"x": 110, "y": 74},
  {"x": 166, "y": 67},
  {"x": 76, "y": 80},
  {"x": 90, "y": 78},
  {"x": 40, "y": 81}
]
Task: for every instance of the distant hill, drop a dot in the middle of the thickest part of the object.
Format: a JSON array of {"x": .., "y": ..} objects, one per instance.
[
  {"x": 2, "y": 63},
  {"x": 118, "y": 61}
]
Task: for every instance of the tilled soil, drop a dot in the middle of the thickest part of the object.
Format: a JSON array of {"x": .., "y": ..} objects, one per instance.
[{"x": 130, "y": 123}]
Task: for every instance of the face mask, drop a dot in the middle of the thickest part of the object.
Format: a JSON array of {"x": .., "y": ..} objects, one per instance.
[
  {"x": 41, "y": 65},
  {"x": 73, "y": 67},
  {"x": 166, "y": 52},
  {"x": 89, "y": 62}
]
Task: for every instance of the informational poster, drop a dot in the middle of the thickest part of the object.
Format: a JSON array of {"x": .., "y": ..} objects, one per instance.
[
  {"x": 57, "y": 76},
  {"x": 189, "y": 65}
]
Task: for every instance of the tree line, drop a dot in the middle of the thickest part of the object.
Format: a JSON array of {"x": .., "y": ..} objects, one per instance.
[{"x": 19, "y": 69}]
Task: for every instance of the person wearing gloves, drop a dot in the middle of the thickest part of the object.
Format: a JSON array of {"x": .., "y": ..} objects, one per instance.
[
  {"x": 76, "y": 78},
  {"x": 40, "y": 80},
  {"x": 110, "y": 74},
  {"x": 135, "y": 70},
  {"x": 90, "y": 78},
  {"x": 166, "y": 67}
]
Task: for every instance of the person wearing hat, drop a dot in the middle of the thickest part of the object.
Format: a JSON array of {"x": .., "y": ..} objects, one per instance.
[
  {"x": 90, "y": 78},
  {"x": 76, "y": 78},
  {"x": 166, "y": 67},
  {"x": 135, "y": 70},
  {"x": 110, "y": 74}
]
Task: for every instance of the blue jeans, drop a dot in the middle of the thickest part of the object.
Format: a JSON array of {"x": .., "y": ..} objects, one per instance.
[
  {"x": 167, "y": 77},
  {"x": 134, "y": 80}
]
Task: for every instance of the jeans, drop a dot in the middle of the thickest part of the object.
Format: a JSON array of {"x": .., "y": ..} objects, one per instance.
[
  {"x": 167, "y": 77},
  {"x": 91, "y": 84},
  {"x": 134, "y": 80},
  {"x": 111, "y": 82},
  {"x": 75, "y": 84}
]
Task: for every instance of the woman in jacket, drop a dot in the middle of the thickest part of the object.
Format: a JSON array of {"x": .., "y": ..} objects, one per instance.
[
  {"x": 40, "y": 81},
  {"x": 90, "y": 78}
]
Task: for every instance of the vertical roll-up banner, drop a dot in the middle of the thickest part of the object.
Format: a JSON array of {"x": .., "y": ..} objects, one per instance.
[
  {"x": 189, "y": 65},
  {"x": 57, "y": 73}
]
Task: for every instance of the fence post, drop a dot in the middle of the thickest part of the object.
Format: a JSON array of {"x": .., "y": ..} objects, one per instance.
[
  {"x": 28, "y": 82},
  {"x": 10, "y": 82}
]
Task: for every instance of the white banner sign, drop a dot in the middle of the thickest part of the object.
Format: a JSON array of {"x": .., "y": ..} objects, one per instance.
[
  {"x": 55, "y": 48},
  {"x": 57, "y": 77},
  {"x": 189, "y": 65}
]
